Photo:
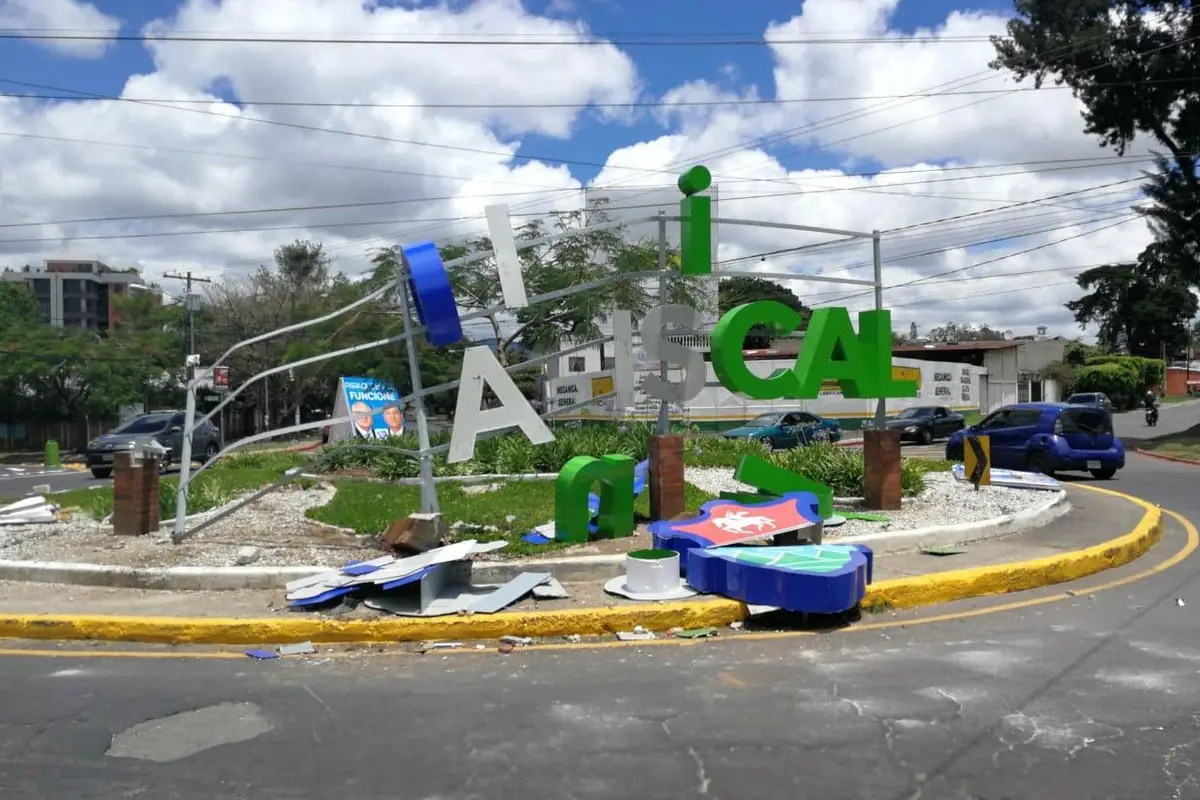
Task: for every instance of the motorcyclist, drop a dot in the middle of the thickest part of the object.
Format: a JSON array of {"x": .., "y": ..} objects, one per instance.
[{"x": 1151, "y": 399}]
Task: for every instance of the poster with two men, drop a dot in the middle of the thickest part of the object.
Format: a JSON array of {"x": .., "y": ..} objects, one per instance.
[{"x": 364, "y": 399}]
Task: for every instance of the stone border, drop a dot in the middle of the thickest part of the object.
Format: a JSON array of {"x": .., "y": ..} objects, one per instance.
[{"x": 570, "y": 568}]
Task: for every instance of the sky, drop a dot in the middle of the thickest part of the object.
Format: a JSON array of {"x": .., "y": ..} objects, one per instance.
[{"x": 856, "y": 115}]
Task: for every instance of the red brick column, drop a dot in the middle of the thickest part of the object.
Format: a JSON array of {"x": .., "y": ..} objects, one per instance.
[
  {"x": 666, "y": 477},
  {"x": 881, "y": 456},
  {"x": 135, "y": 495}
]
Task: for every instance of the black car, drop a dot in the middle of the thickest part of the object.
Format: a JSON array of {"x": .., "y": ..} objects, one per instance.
[
  {"x": 1098, "y": 399},
  {"x": 923, "y": 424},
  {"x": 163, "y": 427}
]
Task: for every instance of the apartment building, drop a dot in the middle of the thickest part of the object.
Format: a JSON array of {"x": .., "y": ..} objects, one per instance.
[{"x": 76, "y": 294}]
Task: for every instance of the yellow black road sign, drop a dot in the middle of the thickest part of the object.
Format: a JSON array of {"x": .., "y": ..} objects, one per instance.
[{"x": 977, "y": 460}]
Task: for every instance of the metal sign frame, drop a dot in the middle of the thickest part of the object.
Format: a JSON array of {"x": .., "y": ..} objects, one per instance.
[{"x": 425, "y": 452}]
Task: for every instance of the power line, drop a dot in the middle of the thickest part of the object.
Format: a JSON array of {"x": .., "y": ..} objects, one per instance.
[
  {"x": 995, "y": 260},
  {"x": 402, "y": 201},
  {"x": 590, "y": 104},
  {"x": 495, "y": 42}
]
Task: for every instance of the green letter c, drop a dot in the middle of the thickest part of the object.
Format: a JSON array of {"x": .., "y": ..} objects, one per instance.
[{"x": 729, "y": 337}]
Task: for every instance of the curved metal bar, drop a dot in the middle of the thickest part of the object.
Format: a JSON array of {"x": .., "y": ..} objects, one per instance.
[
  {"x": 789, "y": 276},
  {"x": 306, "y": 323}
]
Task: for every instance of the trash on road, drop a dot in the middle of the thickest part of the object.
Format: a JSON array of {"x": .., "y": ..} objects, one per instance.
[
  {"x": 1179, "y": 602},
  {"x": 431, "y": 646},
  {"x": 942, "y": 551},
  {"x": 298, "y": 649},
  {"x": 517, "y": 641},
  {"x": 262, "y": 655},
  {"x": 696, "y": 633},
  {"x": 638, "y": 634}
]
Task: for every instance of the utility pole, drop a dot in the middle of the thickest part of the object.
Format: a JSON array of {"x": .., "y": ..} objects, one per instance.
[{"x": 191, "y": 310}]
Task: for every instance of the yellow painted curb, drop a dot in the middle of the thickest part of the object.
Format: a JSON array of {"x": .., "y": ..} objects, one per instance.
[
  {"x": 941, "y": 587},
  {"x": 217, "y": 630},
  {"x": 1019, "y": 576}
]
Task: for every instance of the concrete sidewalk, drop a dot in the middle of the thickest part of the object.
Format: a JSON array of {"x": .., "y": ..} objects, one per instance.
[{"x": 1095, "y": 518}]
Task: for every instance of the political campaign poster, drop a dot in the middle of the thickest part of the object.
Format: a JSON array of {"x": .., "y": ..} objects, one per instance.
[{"x": 364, "y": 399}]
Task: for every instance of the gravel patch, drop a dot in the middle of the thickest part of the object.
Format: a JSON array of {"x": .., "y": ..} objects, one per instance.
[
  {"x": 945, "y": 501},
  {"x": 274, "y": 524}
]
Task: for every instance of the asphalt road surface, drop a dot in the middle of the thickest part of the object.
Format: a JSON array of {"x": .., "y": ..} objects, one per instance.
[{"x": 1093, "y": 694}]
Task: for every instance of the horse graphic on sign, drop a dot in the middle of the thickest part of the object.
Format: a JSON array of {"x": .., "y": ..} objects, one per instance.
[{"x": 740, "y": 521}]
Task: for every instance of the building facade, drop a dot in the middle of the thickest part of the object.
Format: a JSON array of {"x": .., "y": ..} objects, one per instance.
[{"x": 76, "y": 294}]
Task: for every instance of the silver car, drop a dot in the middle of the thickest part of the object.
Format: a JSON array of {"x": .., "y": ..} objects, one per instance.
[{"x": 163, "y": 427}]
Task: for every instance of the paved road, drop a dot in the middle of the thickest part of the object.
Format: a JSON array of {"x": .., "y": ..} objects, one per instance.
[{"x": 1094, "y": 695}]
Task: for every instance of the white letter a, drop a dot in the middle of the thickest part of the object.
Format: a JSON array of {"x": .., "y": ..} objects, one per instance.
[{"x": 480, "y": 366}]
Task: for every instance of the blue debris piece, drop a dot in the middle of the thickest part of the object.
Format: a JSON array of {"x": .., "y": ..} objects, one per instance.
[
  {"x": 323, "y": 597},
  {"x": 641, "y": 476},
  {"x": 533, "y": 537},
  {"x": 262, "y": 655},
  {"x": 359, "y": 568},
  {"x": 814, "y": 579},
  {"x": 407, "y": 579}
]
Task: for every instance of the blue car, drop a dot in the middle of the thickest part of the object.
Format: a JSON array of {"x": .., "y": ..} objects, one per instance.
[{"x": 1048, "y": 438}]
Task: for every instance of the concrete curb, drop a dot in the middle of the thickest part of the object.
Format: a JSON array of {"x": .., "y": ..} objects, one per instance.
[
  {"x": 891, "y": 594},
  {"x": 571, "y": 568},
  {"x": 1177, "y": 459}
]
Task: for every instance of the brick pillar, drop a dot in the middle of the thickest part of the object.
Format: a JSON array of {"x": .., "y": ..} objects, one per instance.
[
  {"x": 666, "y": 477},
  {"x": 881, "y": 456},
  {"x": 135, "y": 495}
]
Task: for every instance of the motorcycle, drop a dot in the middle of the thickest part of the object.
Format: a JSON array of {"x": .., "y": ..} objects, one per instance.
[{"x": 1152, "y": 416}]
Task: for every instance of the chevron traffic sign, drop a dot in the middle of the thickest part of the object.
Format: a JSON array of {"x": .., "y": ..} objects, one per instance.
[{"x": 977, "y": 460}]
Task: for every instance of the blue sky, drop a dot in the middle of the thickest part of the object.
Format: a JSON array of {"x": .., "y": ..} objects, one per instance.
[{"x": 660, "y": 68}]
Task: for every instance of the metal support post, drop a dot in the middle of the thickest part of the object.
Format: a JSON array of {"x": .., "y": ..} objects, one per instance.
[
  {"x": 877, "y": 256},
  {"x": 185, "y": 462},
  {"x": 429, "y": 498},
  {"x": 664, "y": 418}
]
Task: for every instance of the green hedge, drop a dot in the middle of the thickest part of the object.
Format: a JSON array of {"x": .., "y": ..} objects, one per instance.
[
  {"x": 838, "y": 467},
  {"x": 1123, "y": 378}
]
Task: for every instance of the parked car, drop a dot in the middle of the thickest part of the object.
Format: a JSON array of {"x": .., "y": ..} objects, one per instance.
[
  {"x": 923, "y": 424},
  {"x": 1099, "y": 399},
  {"x": 780, "y": 430},
  {"x": 164, "y": 427},
  {"x": 1048, "y": 438}
]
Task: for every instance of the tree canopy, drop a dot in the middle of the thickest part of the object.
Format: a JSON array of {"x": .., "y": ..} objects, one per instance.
[
  {"x": 1135, "y": 307},
  {"x": 734, "y": 292}
]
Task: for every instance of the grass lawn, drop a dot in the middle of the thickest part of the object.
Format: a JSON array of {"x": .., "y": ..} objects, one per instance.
[
  {"x": 1184, "y": 444},
  {"x": 972, "y": 417},
  {"x": 369, "y": 507},
  {"x": 219, "y": 485}
]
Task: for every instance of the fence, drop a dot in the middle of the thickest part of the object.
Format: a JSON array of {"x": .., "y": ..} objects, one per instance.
[{"x": 28, "y": 437}]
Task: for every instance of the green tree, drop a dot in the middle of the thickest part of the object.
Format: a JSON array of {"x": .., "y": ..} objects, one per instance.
[
  {"x": 734, "y": 292},
  {"x": 1136, "y": 307},
  {"x": 1132, "y": 63},
  {"x": 964, "y": 332}
]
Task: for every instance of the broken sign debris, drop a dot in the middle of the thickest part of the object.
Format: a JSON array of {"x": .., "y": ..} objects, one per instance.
[{"x": 28, "y": 511}]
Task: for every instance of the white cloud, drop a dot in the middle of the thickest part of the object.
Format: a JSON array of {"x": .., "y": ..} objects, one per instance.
[
  {"x": 945, "y": 165},
  {"x": 32, "y": 16}
]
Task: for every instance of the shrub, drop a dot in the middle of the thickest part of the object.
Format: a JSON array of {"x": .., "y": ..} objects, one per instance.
[
  {"x": 839, "y": 467},
  {"x": 1121, "y": 381},
  {"x": 1146, "y": 372}
]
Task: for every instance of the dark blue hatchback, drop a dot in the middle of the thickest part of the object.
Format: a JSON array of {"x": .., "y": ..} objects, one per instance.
[{"x": 1049, "y": 438}]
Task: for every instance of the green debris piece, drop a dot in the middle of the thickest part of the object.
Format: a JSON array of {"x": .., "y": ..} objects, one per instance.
[
  {"x": 696, "y": 633},
  {"x": 865, "y": 516},
  {"x": 942, "y": 551},
  {"x": 777, "y": 480}
]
